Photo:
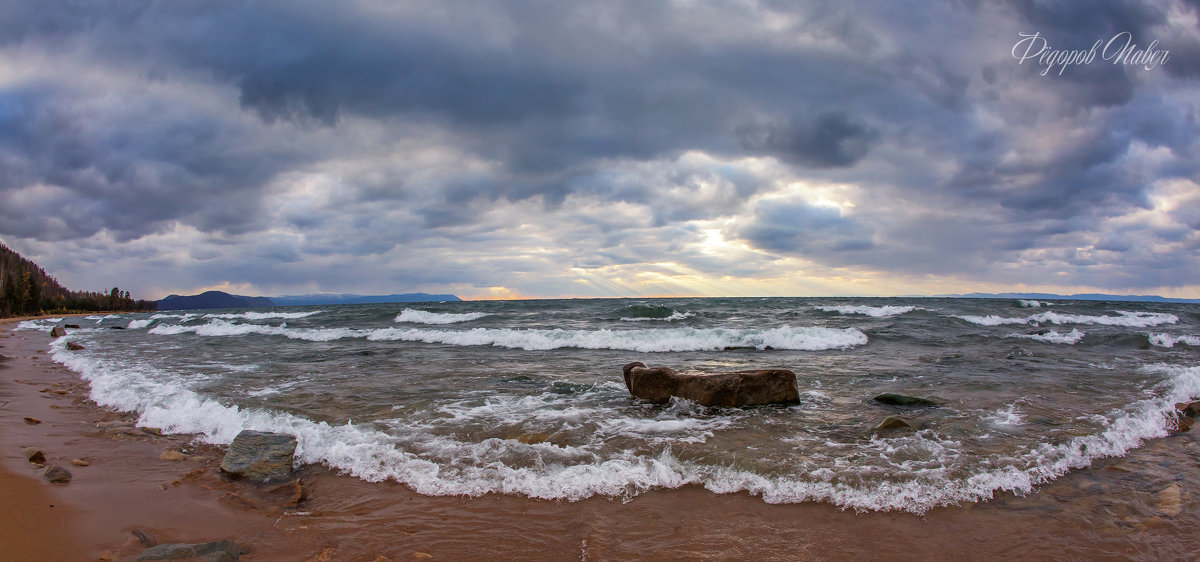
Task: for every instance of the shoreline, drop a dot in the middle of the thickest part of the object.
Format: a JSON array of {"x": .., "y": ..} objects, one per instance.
[{"x": 127, "y": 486}]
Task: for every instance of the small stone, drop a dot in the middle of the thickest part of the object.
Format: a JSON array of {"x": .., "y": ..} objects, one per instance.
[
  {"x": 34, "y": 455},
  {"x": 32, "y": 421},
  {"x": 74, "y": 346},
  {"x": 107, "y": 556},
  {"x": 80, "y": 462},
  {"x": 57, "y": 332},
  {"x": 1170, "y": 500},
  {"x": 57, "y": 474},
  {"x": 382, "y": 558},
  {"x": 152, "y": 430},
  {"x": 293, "y": 493},
  {"x": 74, "y": 326},
  {"x": 422, "y": 555},
  {"x": 58, "y": 392},
  {"x": 172, "y": 455},
  {"x": 144, "y": 539},
  {"x": 893, "y": 399}
]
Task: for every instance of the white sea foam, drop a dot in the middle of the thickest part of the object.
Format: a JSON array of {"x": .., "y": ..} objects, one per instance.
[
  {"x": 675, "y": 315},
  {"x": 182, "y": 317},
  {"x": 426, "y": 317},
  {"x": 264, "y": 315},
  {"x": 140, "y": 323},
  {"x": 1008, "y": 416},
  {"x": 1124, "y": 318},
  {"x": 1167, "y": 340},
  {"x": 1052, "y": 336},
  {"x": 874, "y": 311},
  {"x": 1034, "y": 304},
  {"x": 100, "y": 319},
  {"x": 655, "y": 340}
]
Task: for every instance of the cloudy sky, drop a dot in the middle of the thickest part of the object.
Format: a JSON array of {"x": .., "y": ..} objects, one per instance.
[{"x": 617, "y": 148}]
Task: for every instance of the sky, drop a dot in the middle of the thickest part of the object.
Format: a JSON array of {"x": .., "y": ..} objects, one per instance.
[{"x": 515, "y": 149}]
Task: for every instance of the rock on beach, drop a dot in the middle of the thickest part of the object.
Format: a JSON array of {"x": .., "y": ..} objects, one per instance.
[
  {"x": 737, "y": 388},
  {"x": 260, "y": 457}
]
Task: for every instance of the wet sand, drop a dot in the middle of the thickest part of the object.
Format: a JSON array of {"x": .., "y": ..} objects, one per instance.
[{"x": 1142, "y": 506}]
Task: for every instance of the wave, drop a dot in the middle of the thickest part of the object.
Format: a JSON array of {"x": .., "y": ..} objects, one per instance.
[
  {"x": 140, "y": 323},
  {"x": 426, "y": 317},
  {"x": 873, "y": 311},
  {"x": 264, "y": 315},
  {"x": 654, "y": 340},
  {"x": 1167, "y": 340},
  {"x": 673, "y": 317},
  {"x": 1131, "y": 319},
  {"x": 1033, "y": 304},
  {"x": 1052, "y": 336},
  {"x": 443, "y": 465}
]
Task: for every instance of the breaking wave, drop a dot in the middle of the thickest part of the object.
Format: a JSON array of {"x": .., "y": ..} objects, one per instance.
[
  {"x": 426, "y": 317},
  {"x": 873, "y": 311},
  {"x": 1131, "y": 319}
]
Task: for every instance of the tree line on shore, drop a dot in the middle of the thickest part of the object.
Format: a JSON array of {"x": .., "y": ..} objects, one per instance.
[{"x": 26, "y": 289}]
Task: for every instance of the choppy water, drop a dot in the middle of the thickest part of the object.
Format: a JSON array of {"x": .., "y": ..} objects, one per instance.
[{"x": 527, "y": 398}]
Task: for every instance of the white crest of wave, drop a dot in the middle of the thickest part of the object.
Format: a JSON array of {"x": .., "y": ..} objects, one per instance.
[
  {"x": 1124, "y": 318},
  {"x": 1167, "y": 340},
  {"x": 1052, "y": 336},
  {"x": 873, "y": 311},
  {"x": 1034, "y": 304},
  {"x": 426, "y": 317},
  {"x": 140, "y": 323},
  {"x": 264, "y": 315},
  {"x": 655, "y": 340},
  {"x": 675, "y": 315}
]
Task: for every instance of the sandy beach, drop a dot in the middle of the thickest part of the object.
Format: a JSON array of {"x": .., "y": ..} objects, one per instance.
[{"x": 139, "y": 487}]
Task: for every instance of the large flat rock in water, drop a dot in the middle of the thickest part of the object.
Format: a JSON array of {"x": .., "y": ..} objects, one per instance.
[
  {"x": 260, "y": 457},
  {"x": 736, "y": 388}
]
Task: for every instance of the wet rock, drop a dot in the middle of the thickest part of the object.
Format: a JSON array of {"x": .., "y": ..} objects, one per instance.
[
  {"x": 74, "y": 326},
  {"x": 260, "y": 457},
  {"x": 1183, "y": 423},
  {"x": 32, "y": 421},
  {"x": 57, "y": 474},
  {"x": 152, "y": 430},
  {"x": 116, "y": 327},
  {"x": 34, "y": 455},
  {"x": 74, "y": 346},
  {"x": 738, "y": 388},
  {"x": 1170, "y": 500},
  {"x": 57, "y": 332},
  {"x": 216, "y": 551},
  {"x": 1189, "y": 409},
  {"x": 172, "y": 455},
  {"x": 80, "y": 462},
  {"x": 291, "y": 493},
  {"x": 893, "y": 399},
  {"x": 895, "y": 422}
]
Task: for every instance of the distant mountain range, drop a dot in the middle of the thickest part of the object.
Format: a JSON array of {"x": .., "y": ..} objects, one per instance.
[
  {"x": 211, "y": 299},
  {"x": 219, "y": 299},
  {"x": 1075, "y": 297}
]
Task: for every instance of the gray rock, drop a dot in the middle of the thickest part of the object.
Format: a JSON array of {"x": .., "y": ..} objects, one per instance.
[
  {"x": 260, "y": 457},
  {"x": 738, "y": 388},
  {"x": 57, "y": 474},
  {"x": 895, "y": 422},
  {"x": 216, "y": 551},
  {"x": 57, "y": 332},
  {"x": 74, "y": 346},
  {"x": 892, "y": 399}
]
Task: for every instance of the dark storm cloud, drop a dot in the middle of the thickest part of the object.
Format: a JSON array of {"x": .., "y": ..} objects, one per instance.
[{"x": 298, "y": 130}]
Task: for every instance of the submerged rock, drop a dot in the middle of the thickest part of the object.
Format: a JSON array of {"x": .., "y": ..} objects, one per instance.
[
  {"x": 57, "y": 474},
  {"x": 260, "y": 457},
  {"x": 215, "y": 551},
  {"x": 1170, "y": 500},
  {"x": 892, "y": 399},
  {"x": 895, "y": 422},
  {"x": 74, "y": 346},
  {"x": 738, "y": 388},
  {"x": 57, "y": 332}
]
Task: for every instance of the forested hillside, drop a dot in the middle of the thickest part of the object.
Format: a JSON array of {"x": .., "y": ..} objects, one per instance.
[{"x": 26, "y": 289}]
